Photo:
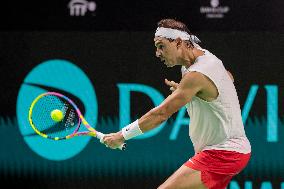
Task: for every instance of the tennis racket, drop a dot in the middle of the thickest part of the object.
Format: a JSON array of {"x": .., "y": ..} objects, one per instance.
[{"x": 70, "y": 124}]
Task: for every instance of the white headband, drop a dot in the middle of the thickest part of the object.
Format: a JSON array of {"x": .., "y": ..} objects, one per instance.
[{"x": 174, "y": 34}]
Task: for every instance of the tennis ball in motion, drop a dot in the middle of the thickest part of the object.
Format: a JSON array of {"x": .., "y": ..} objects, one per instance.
[{"x": 56, "y": 115}]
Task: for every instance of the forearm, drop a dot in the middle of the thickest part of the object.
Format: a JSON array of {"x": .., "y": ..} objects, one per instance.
[
  {"x": 152, "y": 119},
  {"x": 157, "y": 115},
  {"x": 147, "y": 122}
]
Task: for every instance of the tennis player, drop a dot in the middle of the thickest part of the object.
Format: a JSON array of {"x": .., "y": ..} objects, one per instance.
[{"x": 216, "y": 130}]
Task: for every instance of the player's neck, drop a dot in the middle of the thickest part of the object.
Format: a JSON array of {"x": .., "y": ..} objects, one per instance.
[{"x": 190, "y": 56}]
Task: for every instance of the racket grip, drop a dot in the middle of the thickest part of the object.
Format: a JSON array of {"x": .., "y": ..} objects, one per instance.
[{"x": 100, "y": 136}]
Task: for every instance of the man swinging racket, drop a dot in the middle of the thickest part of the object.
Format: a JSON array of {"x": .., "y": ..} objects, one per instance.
[{"x": 221, "y": 147}]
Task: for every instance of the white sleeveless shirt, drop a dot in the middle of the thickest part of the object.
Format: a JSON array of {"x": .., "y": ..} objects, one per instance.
[{"x": 216, "y": 124}]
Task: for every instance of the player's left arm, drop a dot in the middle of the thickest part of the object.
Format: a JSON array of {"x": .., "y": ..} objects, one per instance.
[{"x": 189, "y": 86}]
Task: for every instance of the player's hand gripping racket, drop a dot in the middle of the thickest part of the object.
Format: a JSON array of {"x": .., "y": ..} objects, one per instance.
[{"x": 55, "y": 116}]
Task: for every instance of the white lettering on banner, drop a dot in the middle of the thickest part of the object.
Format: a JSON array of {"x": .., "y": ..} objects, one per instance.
[
  {"x": 215, "y": 11},
  {"x": 80, "y": 7}
]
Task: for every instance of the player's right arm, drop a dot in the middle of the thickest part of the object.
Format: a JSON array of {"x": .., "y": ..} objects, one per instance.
[{"x": 189, "y": 86}]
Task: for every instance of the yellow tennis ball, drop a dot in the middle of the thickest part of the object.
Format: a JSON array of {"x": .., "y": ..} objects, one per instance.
[{"x": 56, "y": 115}]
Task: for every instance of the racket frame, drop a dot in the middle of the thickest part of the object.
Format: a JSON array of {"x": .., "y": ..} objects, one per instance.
[{"x": 91, "y": 131}]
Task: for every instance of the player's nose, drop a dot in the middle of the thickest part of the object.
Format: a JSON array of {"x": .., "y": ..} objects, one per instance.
[{"x": 158, "y": 53}]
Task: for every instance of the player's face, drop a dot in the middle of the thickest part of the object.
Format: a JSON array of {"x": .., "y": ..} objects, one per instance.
[{"x": 166, "y": 51}]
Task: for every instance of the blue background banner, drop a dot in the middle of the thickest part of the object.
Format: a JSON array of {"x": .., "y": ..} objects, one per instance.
[{"x": 115, "y": 78}]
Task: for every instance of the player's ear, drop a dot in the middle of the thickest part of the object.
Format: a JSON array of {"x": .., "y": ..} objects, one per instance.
[{"x": 178, "y": 42}]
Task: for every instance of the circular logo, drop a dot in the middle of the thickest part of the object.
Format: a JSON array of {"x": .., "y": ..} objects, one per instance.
[
  {"x": 64, "y": 77},
  {"x": 214, "y": 3}
]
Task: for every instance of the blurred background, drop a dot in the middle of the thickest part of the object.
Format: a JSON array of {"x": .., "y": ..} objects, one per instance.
[{"x": 101, "y": 52}]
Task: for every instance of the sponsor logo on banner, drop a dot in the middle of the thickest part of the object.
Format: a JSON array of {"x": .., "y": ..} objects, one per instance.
[
  {"x": 81, "y": 7},
  {"x": 215, "y": 10}
]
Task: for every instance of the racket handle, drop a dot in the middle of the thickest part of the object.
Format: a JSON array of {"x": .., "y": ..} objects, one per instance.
[{"x": 100, "y": 136}]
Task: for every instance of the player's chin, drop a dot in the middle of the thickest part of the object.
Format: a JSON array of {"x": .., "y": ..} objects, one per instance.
[{"x": 169, "y": 65}]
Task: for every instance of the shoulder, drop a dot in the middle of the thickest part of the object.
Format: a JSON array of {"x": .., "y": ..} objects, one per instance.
[
  {"x": 231, "y": 75},
  {"x": 193, "y": 79},
  {"x": 193, "y": 76}
]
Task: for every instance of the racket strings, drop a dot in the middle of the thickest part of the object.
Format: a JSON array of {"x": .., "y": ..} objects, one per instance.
[{"x": 43, "y": 122}]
